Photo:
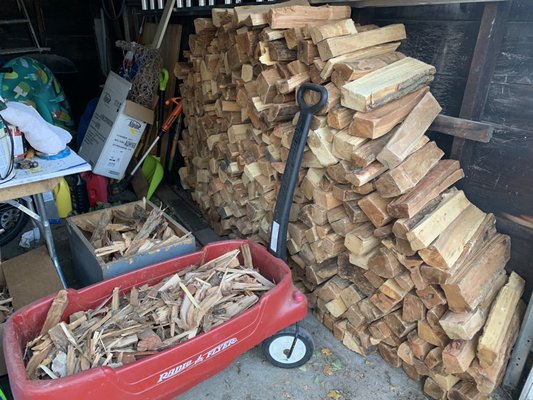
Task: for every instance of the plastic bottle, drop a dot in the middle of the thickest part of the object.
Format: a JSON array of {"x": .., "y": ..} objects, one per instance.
[
  {"x": 63, "y": 200},
  {"x": 81, "y": 197},
  {"x": 96, "y": 187}
]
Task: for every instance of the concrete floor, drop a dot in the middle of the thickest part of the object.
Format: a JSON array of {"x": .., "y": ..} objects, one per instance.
[{"x": 334, "y": 372}]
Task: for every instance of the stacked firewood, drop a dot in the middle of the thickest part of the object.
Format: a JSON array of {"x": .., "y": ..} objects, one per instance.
[
  {"x": 148, "y": 319},
  {"x": 391, "y": 254}
]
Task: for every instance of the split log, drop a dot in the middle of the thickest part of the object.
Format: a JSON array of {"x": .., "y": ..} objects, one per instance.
[
  {"x": 398, "y": 325},
  {"x": 390, "y": 355},
  {"x": 351, "y": 295},
  {"x": 458, "y": 355},
  {"x": 491, "y": 342},
  {"x": 387, "y": 84},
  {"x": 354, "y": 274},
  {"x": 433, "y": 359},
  {"x": 362, "y": 261},
  {"x": 375, "y": 208},
  {"x": 409, "y": 132},
  {"x": 413, "y": 308},
  {"x": 366, "y": 154},
  {"x": 419, "y": 346},
  {"x": 338, "y": 28},
  {"x": 307, "y": 52},
  {"x": 340, "y": 45},
  {"x": 435, "y": 337},
  {"x": 398, "y": 287},
  {"x": 345, "y": 145},
  {"x": 465, "y": 325},
  {"x": 488, "y": 379},
  {"x": 411, "y": 372},
  {"x": 376, "y": 123},
  {"x": 465, "y": 390},
  {"x": 440, "y": 178},
  {"x": 431, "y": 296},
  {"x": 350, "y": 71},
  {"x": 375, "y": 280},
  {"x": 467, "y": 289},
  {"x": 384, "y": 264},
  {"x": 332, "y": 288},
  {"x": 446, "y": 382},
  {"x": 406, "y": 175},
  {"x": 362, "y": 239},
  {"x": 437, "y": 221},
  {"x": 368, "y": 52},
  {"x": 302, "y": 16},
  {"x": 434, "y": 316},
  {"x": 433, "y": 390},
  {"x": 447, "y": 248},
  {"x": 404, "y": 225},
  {"x": 340, "y": 117}
]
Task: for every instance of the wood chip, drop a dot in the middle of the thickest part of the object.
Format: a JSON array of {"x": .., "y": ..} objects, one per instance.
[{"x": 146, "y": 319}]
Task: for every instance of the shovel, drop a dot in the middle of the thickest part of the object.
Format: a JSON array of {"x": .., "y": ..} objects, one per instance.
[{"x": 165, "y": 128}]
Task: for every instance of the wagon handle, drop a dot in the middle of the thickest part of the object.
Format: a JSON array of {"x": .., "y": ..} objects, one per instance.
[{"x": 280, "y": 220}]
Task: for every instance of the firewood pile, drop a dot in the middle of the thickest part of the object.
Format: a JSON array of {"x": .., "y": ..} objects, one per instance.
[
  {"x": 147, "y": 319},
  {"x": 119, "y": 233},
  {"x": 392, "y": 256}
]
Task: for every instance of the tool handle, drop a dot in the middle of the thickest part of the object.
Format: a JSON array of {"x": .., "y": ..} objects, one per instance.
[
  {"x": 163, "y": 79},
  {"x": 280, "y": 220},
  {"x": 311, "y": 108},
  {"x": 178, "y": 109},
  {"x": 165, "y": 128},
  {"x": 146, "y": 153}
]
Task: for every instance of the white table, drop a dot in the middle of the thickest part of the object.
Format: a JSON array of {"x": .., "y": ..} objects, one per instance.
[{"x": 34, "y": 182}]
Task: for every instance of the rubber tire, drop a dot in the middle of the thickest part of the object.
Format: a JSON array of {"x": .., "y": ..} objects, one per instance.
[
  {"x": 303, "y": 336},
  {"x": 19, "y": 226}
]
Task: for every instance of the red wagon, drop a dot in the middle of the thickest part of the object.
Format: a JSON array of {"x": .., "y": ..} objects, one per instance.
[{"x": 175, "y": 370}]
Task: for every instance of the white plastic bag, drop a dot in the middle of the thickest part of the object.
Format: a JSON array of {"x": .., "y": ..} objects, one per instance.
[{"x": 42, "y": 136}]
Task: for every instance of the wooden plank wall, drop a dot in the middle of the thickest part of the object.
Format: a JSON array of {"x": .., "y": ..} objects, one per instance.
[
  {"x": 443, "y": 36},
  {"x": 499, "y": 174}
]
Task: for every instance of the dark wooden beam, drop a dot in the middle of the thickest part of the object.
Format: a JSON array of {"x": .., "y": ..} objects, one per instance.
[
  {"x": 395, "y": 3},
  {"x": 490, "y": 36},
  {"x": 462, "y": 128},
  {"x": 514, "y": 228}
]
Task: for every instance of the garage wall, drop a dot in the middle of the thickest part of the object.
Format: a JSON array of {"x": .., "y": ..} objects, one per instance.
[
  {"x": 69, "y": 33},
  {"x": 499, "y": 174}
]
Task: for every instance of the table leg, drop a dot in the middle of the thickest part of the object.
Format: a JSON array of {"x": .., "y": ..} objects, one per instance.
[{"x": 47, "y": 234}]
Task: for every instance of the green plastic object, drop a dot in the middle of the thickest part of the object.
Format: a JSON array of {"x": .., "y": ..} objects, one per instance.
[
  {"x": 163, "y": 79},
  {"x": 153, "y": 172},
  {"x": 2, "y": 395}
]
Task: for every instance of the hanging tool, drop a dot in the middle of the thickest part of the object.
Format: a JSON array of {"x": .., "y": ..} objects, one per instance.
[
  {"x": 163, "y": 81},
  {"x": 170, "y": 157},
  {"x": 280, "y": 220},
  {"x": 120, "y": 186}
]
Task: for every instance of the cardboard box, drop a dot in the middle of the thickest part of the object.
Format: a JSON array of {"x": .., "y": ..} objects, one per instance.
[
  {"x": 90, "y": 269},
  {"x": 28, "y": 277},
  {"x": 115, "y": 129}
]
